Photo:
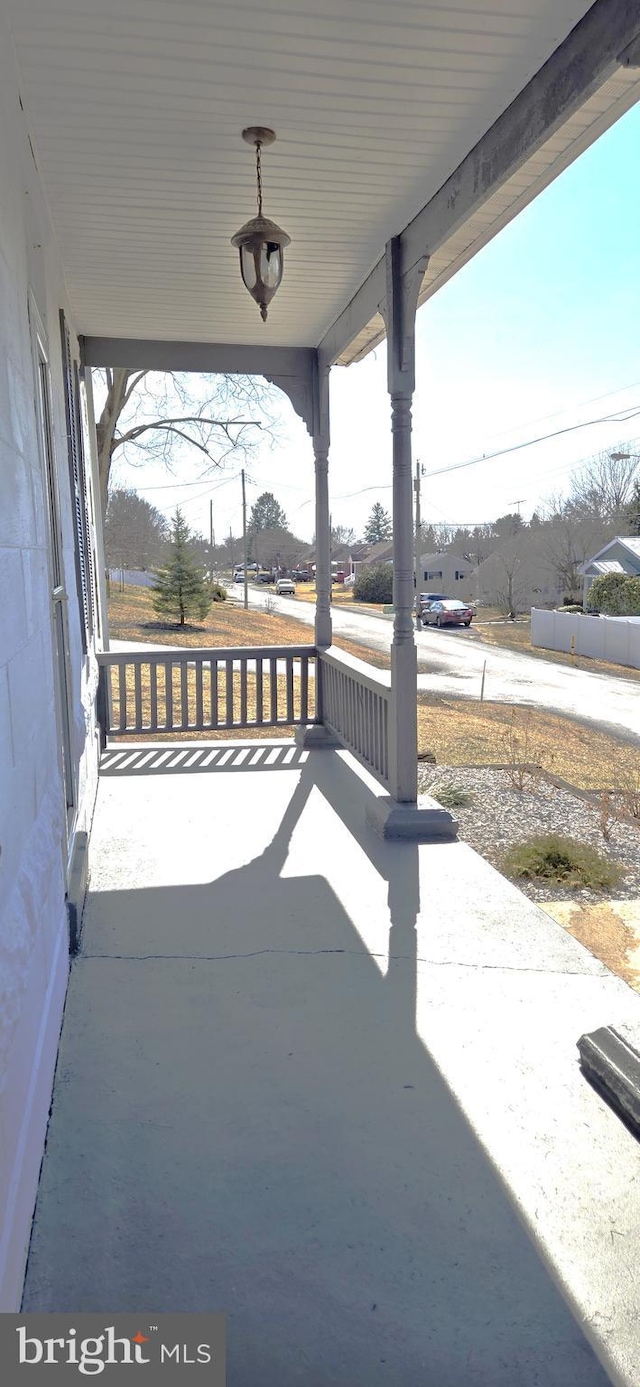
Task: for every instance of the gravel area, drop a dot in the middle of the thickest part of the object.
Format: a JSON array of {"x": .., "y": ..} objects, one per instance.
[{"x": 500, "y": 816}]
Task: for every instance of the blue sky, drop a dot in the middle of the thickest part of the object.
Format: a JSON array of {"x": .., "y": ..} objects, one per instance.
[{"x": 539, "y": 332}]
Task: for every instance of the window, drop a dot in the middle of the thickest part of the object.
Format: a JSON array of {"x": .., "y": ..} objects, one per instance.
[
  {"x": 459, "y": 576},
  {"x": 429, "y": 576}
]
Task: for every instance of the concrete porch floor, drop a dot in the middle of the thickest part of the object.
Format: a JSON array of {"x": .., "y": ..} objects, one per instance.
[{"x": 329, "y": 1085}]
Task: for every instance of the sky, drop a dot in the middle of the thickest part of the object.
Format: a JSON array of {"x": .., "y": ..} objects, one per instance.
[{"x": 538, "y": 333}]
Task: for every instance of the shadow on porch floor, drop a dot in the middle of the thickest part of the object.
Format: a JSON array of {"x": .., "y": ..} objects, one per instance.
[{"x": 244, "y": 1116}]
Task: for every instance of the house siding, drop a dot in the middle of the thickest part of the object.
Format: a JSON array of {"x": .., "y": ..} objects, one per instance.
[
  {"x": 34, "y": 841},
  {"x": 453, "y": 575}
]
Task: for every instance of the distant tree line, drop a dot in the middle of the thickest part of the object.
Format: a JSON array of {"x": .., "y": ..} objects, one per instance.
[{"x": 520, "y": 561}]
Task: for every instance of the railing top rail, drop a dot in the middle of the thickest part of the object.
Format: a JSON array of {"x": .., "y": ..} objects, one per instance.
[
  {"x": 379, "y": 680},
  {"x": 183, "y": 654}
]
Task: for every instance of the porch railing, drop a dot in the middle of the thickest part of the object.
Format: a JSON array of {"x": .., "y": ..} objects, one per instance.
[
  {"x": 148, "y": 692},
  {"x": 355, "y": 706},
  {"x": 153, "y": 692}
]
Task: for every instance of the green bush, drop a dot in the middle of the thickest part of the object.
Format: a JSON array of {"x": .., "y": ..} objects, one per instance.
[
  {"x": 615, "y": 594},
  {"x": 562, "y": 861},
  {"x": 218, "y": 593},
  {"x": 374, "y": 584}
]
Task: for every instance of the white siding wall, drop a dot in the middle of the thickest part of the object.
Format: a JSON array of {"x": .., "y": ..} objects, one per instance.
[
  {"x": 33, "y": 840},
  {"x": 461, "y": 587}
]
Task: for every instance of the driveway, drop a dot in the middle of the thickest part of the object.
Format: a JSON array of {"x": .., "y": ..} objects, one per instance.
[{"x": 456, "y": 660}]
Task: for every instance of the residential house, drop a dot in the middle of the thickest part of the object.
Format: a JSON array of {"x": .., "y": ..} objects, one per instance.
[
  {"x": 620, "y": 555},
  {"x": 447, "y": 573},
  {"x": 517, "y": 576}
]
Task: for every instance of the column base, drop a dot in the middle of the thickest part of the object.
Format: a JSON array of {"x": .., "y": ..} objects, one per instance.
[
  {"x": 424, "y": 822},
  {"x": 316, "y": 737}
]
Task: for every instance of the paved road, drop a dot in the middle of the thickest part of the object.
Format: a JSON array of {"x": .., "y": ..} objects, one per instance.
[{"x": 456, "y": 658}]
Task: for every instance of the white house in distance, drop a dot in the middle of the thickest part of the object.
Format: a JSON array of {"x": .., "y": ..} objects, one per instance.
[
  {"x": 447, "y": 573},
  {"x": 618, "y": 556}
]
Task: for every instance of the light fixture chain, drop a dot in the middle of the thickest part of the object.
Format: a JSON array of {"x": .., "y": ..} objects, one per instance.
[{"x": 259, "y": 176}]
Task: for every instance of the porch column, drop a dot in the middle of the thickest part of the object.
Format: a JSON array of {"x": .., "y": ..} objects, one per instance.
[
  {"x": 403, "y": 732},
  {"x": 317, "y": 735},
  {"x": 398, "y": 816},
  {"x": 323, "y": 540},
  {"x": 403, "y": 740}
]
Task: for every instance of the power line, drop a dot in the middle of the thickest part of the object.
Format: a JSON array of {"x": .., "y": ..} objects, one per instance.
[
  {"x": 554, "y": 414},
  {"x": 620, "y": 418}
]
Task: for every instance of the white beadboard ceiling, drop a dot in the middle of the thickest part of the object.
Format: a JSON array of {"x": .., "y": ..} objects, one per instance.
[{"x": 135, "y": 109}]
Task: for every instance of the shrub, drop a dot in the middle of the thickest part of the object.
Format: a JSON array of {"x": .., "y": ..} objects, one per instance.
[
  {"x": 564, "y": 861},
  {"x": 218, "y": 593},
  {"x": 374, "y": 584},
  {"x": 523, "y": 752},
  {"x": 452, "y": 795},
  {"x": 615, "y": 594}
]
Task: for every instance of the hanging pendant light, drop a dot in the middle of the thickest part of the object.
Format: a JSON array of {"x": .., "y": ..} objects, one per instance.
[{"x": 261, "y": 242}]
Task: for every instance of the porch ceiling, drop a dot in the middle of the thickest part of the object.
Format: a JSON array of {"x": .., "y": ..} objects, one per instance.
[{"x": 135, "y": 110}]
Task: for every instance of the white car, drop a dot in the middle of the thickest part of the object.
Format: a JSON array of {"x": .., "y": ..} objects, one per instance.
[{"x": 285, "y": 585}]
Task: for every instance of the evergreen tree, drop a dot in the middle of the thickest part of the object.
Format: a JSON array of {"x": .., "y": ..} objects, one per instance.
[
  {"x": 267, "y": 514},
  {"x": 181, "y": 590},
  {"x": 378, "y": 526}
]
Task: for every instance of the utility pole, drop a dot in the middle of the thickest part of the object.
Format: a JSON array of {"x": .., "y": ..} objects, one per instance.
[
  {"x": 416, "y": 487},
  {"x": 245, "y": 556}
]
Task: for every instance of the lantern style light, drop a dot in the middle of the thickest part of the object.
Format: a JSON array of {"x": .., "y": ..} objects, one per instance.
[{"x": 260, "y": 241}]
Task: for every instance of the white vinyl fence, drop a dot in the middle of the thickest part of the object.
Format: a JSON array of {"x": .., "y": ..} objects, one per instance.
[{"x": 613, "y": 638}]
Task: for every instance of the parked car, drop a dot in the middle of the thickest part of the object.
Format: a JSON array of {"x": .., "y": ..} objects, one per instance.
[
  {"x": 285, "y": 585},
  {"x": 426, "y": 598},
  {"x": 265, "y": 576},
  {"x": 447, "y": 613}
]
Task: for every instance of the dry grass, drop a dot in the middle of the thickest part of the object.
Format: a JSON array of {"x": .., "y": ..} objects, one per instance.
[
  {"x": 340, "y": 597},
  {"x": 606, "y": 935},
  {"x": 467, "y": 734},
  {"x": 132, "y": 618}
]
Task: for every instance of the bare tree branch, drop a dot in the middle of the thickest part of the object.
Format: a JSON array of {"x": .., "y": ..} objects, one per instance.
[{"x": 139, "y": 411}]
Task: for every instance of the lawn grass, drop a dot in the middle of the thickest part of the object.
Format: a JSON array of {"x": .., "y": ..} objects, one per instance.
[
  {"x": 461, "y": 733},
  {"x": 132, "y": 618},
  {"x": 340, "y": 597}
]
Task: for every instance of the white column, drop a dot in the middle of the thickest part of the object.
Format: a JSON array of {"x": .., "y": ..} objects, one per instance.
[
  {"x": 323, "y": 541},
  {"x": 317, "y": 735},
  {"x": 403, "y": 746},
  {"x": 398, "y": 815}
]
